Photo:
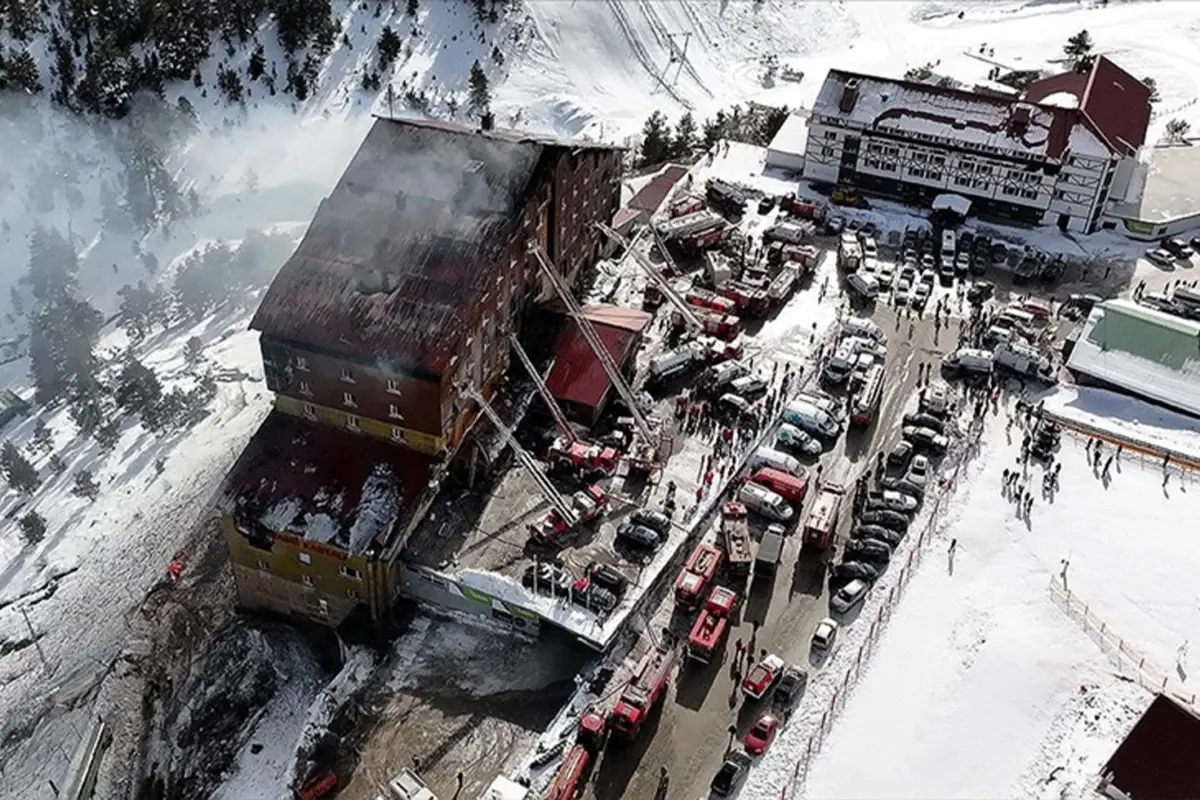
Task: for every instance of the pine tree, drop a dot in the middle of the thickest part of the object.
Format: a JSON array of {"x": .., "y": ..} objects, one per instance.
[
  {"x": 139, "y": 305},
  {"x": 20, "y": 474},
  {"x": 479, "y": 97},
  {"x": 43, "y": 438},
  {"x": 388, "y": 47},
  {"x": 193, "y": 351},
  {"x": 685, "y": 138},
  {"x": 85, "y": 485},
  {"x": 53, "y": 265},
  {"x": 1152, "y": 86},
  {"x": 257, "y": 65},
  {"x": 138, "y": 387},
  {"x": 656, "y": 140},
  {"x": 1078, "y": 45},
  {"x": 1177, "y": 129},
  {"x": 497, "y": 55},
  {"x": 410, "y": 8},
  {"x": 107, "y": 436},
  {"x": 33, "y": 527},
  {"x": 231, "y": 86}
]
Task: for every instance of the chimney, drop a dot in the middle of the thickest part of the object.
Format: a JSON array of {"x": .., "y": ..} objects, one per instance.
[
  {"x": 849, "y": 96},
  {"x": 1018, "y": 122}
]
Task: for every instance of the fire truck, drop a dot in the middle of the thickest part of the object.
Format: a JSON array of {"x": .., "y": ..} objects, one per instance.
[
  {"x": 790, "y": 204},
  {"x": 688, "y": 205},
  {"x": 576, "y": 766},
  {"x": 696, "y": 575},
  {"x": 723, "y": 326},
  {"x": 749, "y": 301},
  {"x": 867, "y": 399},
  {"x": 725, "y": 197},
  {"x": 788, "y": 232},
  {"x": 643, "y": 693},
  {"x": 822, "y": 520},
  {"x": 782, "y": 285},
  {"x": 803, "y": 254},
  {"x": 587, "y": 505},
  {"x": 584, "y": 458},
  {"x": 711, "y": 626},
  {"x": 694, "y": 232},
  {"x": 710, "y": 301},
  {"x": 735, "y": 533}
]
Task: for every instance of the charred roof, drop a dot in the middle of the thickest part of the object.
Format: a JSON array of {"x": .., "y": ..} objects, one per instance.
[
  {"x": 397, "y": 257},
  {"x": 324, "y": 484}
]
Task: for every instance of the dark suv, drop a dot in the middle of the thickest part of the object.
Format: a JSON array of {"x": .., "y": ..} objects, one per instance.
[{"x": 731, "y": 774}]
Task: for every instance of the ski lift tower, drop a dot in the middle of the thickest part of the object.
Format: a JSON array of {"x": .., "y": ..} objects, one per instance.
[
  {"x": 557, "y": 501},
  {"x": 649, "y": 448}
]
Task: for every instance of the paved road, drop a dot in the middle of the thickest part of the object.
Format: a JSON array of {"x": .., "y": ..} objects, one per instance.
[{"x": 690, "y": 735}]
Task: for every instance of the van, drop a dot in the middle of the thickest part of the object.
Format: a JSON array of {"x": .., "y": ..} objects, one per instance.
[
  {"x": 863, "y": 284},
  {"x": 775, "y": 459},
  {"x": 408, "y": 786},
  {"x": 811, "y": 419},
  {"x": 936, "y": 399},
  {"x": 949, "y": 245},
  {"x": 764, "y": 502},
  {"x": 860, "y": 326},
  {"x": 832, "y": 406},
  {"x": 970, "y": 360},
  {"x": 1014, "y": 318},
  {"x": 789, "y": 487}
]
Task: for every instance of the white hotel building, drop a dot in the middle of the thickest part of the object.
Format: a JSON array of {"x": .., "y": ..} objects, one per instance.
[{"x": 1061, "y": 155}]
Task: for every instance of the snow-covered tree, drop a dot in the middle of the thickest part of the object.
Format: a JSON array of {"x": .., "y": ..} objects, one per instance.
[
  {"x": 85, "y": 485},
  {"x": 479, "y": 97},
  {"x": 33, "y": 527},
  {"x": 1079, "y": 45},
  {"x": 18, "y": 471}
]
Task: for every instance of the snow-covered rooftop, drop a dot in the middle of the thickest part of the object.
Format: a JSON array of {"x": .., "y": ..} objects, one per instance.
[
  {"x": 916, "y": 109},
  {"x": 1142, "y": 351},
  {"x": 792, "y": 136},
  {"x": 1061, "y": 100}
]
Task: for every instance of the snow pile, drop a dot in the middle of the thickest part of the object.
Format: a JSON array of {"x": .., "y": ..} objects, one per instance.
[{"x": 980, "y": 659}]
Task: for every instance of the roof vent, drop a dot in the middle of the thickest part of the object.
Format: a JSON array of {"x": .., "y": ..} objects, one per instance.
[{"x": 849, "y": 96}]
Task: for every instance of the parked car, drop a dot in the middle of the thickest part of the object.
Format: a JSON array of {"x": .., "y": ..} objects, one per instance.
[
  {"x": 766, "y": 204},
  {"x": 608, "y": 578},
  {"x": 918, "y": 471},
  {"x": 1159, "y": 256},
  {"x": 855, "y": 570},
  {"x": 925, "y": 438},
  {"x": 593, "y": 596},
  {"x": 761, "y": 733},
  {"x": 885, "y": 517},
  {"x": 791, "y": 685},
  {"x": 900, "y": 454},
  {"x": 824, "y": 635},
  {"x": 748, "y": 386},
  {"x": 638, "y": 536},
  {"x": 1178, "y": 248},
  {"x": 737, "y": 406},
  {"x": 849, "y": 595},
  {"x": 962, "y": 263},
  {"x": 656, "y": 521},
  {"x": 922, "y": 419},
  {"x": 873, "y": 551},
  {"x": 896, "y": 501},
  {"x": 731, "y": 774},
  {"x": 762, "y": 676},
  {"x": 877, "y": 533},
  {"x": 792, "y": 439}
]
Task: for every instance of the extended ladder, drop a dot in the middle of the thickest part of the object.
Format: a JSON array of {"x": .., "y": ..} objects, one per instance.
[
  {"x": 559, "y": 417},
  {"x": 681, "y": 305}
]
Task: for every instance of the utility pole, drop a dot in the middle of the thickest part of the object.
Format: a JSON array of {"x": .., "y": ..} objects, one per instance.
[{"x": 33, "y": 635}]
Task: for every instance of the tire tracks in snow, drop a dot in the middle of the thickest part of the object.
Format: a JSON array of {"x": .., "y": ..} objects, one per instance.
[
  {"x": 663, "y": 34},
  {"x": 640, "y": 52}
]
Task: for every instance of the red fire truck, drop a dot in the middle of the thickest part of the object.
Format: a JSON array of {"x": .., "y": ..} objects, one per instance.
[
  {"x": 643, "y": 693},
  {"x": 710, "y": 301},
  {"x": 573, "y": 774},
  {"x": 724, "y": 326},
  {"x": 699, "y": 571},
  {"x": 748, "y": 301},
  {"x": 739, "y": 547},
  {"x": 804, "y": 209},
  {"x": 694, "y": 232},
  {"x": 712, "y": 624},
  {"x": 822, "y": 520},
  {"x": 688, "y": 205},
  {"x": 590, "y": 460}
]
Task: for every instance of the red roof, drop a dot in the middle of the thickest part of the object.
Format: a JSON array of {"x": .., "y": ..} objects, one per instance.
[
  {"x": 1157, "y": 760},
  {"x": 652, "y": 195},
  {"x": 577, "y": 375},
  {"x": 1115, "y": 105}
]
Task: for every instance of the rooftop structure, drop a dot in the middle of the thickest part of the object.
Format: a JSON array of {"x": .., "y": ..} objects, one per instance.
[
  {"x": 577, "y": 379},
  {"x": 786, "y": 150},
  {"x": 1141, "y": 352},
  {"x": 1112, "y": 103},
  {"x": 1157, "y": 759}
]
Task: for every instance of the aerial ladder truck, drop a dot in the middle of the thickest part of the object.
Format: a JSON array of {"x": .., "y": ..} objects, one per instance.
[
  {"x": 647, "y": 450},
  {"x": 588, "y": 460}
]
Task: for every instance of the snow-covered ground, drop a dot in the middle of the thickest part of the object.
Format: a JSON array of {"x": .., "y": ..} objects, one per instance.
[
  {"x": 982, "y": 684},
  {"x": 1126, "y": 419}
]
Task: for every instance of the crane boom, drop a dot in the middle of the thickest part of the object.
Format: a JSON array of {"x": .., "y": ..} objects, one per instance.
[
  {"x": 559, "y": 417},
  {"x": 593, "y": 340},
  {"x": 681, "y": 305},
  {"x": 559, "y": 503}
]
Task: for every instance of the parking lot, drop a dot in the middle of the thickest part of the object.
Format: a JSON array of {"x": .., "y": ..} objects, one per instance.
[{"x": 692, "y": 734}]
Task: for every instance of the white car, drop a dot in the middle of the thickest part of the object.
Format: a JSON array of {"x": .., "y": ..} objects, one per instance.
[
  {"x": 897, "y": 501},
  {"x": 824, "y": 635},
  {"x": 1160, "y": 256},
  {"x": 918, "y": 471},
  {"x": 792, "y": 438},
  {"x": 885, "y": 275},
  {"x": 920, "y": 294}
]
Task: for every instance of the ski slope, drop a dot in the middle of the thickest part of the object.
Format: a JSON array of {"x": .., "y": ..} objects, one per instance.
[{"x": 982, "y": 684}]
